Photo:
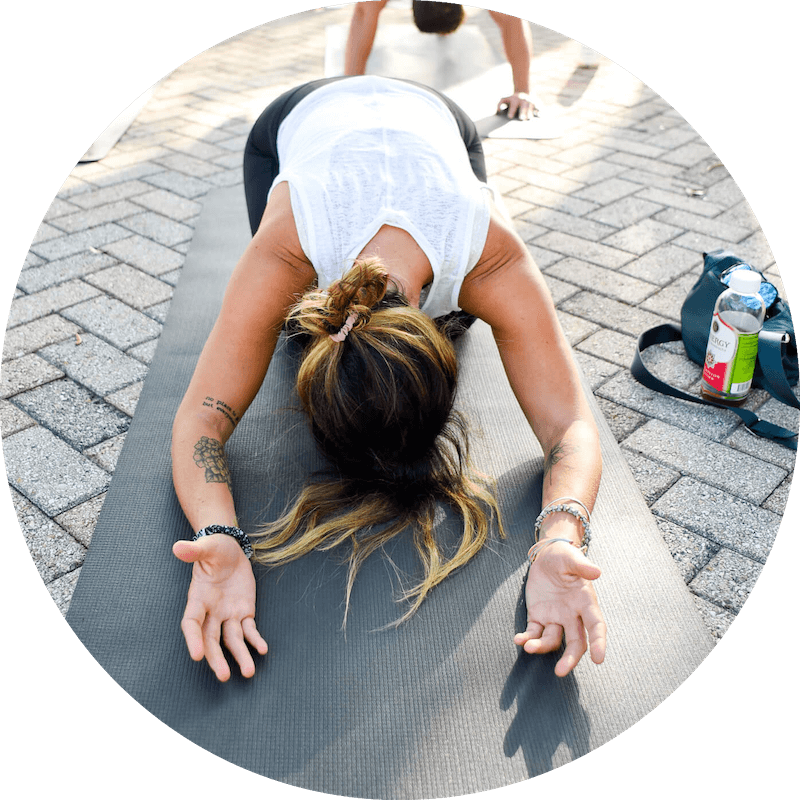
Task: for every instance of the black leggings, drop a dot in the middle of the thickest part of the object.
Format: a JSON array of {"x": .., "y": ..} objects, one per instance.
[
  {"x": 261, "y": 151},
  {"x": 261, "y": 165}
]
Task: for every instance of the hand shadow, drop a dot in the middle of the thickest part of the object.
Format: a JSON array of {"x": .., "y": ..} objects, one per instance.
[{"x": 550, "y": 726}]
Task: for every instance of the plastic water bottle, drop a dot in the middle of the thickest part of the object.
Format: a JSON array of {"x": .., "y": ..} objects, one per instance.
[{"x": 733, "y": 339}]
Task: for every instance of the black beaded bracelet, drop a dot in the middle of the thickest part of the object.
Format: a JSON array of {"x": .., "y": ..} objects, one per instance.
[{"x": 237, "y": 533}]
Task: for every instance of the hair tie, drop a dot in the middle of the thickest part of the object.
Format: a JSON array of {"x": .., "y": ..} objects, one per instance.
[{"x": 345, "y": 329}]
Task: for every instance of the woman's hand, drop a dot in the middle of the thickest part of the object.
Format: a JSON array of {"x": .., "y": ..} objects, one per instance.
[
  {"x": 562, "y": 603},
  {"x": 222, "y": 600}
]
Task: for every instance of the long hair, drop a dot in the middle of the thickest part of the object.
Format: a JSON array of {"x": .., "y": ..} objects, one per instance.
[{"x": 380, "y": 407}]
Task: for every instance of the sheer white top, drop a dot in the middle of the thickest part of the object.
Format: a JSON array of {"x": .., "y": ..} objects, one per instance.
[{"x": 366, "y": 152}]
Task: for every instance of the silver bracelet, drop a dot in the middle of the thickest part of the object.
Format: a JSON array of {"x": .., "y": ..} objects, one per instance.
[
  {"x": 539, "y": 546},
  {"x": 551, "y": 509},
  {"x": 230, "y": 530},
  {"x": 571, "y": 500}
]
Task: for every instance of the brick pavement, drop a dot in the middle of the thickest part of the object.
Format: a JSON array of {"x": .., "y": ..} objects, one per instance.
[{"x": 616, "y": 213}]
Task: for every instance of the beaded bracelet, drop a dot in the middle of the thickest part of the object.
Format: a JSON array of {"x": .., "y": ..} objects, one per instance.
[
  {"x": 237, "y": 533},
  {"x": 549, "y": 509}
]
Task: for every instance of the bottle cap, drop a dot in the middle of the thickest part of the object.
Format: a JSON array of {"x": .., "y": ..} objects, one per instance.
[{"x": 745, "y": 281}]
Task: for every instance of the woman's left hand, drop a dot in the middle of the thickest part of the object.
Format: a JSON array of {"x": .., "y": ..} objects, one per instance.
[{"x": 562, "y": 603}]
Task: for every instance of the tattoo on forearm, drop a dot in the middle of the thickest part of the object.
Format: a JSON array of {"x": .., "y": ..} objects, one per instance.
[
  {"x": 224, "y": 409},
  {"x": 209, "y": 455},
  {"x": 556, "y": 454}
]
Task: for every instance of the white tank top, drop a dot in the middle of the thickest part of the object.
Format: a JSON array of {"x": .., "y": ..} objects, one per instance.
[{"x": 370, "y": 151}]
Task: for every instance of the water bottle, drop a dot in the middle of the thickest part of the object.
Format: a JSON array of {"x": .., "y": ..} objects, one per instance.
[{"x": 733, "y": 339}]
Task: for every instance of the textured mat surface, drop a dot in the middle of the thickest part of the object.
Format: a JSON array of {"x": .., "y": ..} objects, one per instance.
[{"x": 442, "y": 706}]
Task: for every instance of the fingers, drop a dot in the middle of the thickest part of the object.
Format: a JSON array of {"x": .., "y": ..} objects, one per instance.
[
  {"x": 203, "y": 641},
  {"x": 546, "y": 641},
  {"x": 253, "y": 636},
  {"x": 579, "y": 634}
]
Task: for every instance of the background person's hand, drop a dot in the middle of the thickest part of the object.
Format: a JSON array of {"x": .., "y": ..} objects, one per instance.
[
  {"x": 518, "y": 106},
  {"x": 562, "y": 603},
  {"x": 221, "y": 604}
]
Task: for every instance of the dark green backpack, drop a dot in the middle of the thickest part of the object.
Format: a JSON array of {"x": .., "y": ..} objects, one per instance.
[{"x": 777, "y": 367}]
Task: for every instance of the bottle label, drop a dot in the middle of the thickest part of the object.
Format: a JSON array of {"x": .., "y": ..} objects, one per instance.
[{"x": 730, "y": 358}]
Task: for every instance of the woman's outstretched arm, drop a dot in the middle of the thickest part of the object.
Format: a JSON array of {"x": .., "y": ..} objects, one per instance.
[
  {"x": 361, "y": 35},
  {"x": 519, "y": 49},
  {"x": 230, "y": 370},
  {"x": 507, "y": 290}
]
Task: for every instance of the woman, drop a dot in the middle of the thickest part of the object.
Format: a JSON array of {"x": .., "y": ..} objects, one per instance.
[{"x": 371, "y": 192}]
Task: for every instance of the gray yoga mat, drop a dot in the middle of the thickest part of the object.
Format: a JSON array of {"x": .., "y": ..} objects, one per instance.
[{"x": 443, "y": 705}]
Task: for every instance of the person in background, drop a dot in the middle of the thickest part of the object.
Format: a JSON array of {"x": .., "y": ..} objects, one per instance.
[{"x": 444, "y": 18}]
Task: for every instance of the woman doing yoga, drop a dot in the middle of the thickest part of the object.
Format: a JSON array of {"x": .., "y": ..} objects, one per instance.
[{"x": 375, "y": 241}]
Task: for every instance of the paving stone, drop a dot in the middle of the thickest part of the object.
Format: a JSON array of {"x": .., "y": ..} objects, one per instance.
[
  {"x": 689, "y": 551},
  {"x": 699, "y": 243},
  {"x": 543, "y": 179},
  {"x": 662, "y": 265},
  {"x": 622, "y": 421},
  {"x": 113, "y": 321},
  {"x": 105, "y": 454},
  {"x": 730, "y": 470},
  {"x": 49, "y": 472},
  {"x": 53, "y": 550},
  {"x": 131, "y": 286},
  {"x": 672, "y": 368},
  {"x": 689, "y": 154},
  {"x": 144, "y": 352},
  {"x": 146, "y": 255},
  {"x": 593, "y": 252},
  {"x": 45, "y": 232},
  {"x": 707, "y": 421},
  {"x": 668, "y": 301},
  {"x": 779, "y": 498},
  {"x": 711, "y": 227},
  {"x": 642, "y": 237},
  {"x": 681, "y": 200},
  {"x": 158, "y": 311},
  {"x": 70, "y": 244},
  {"x": 756, "y": 251},
  {"x": 179, "y": 183},
  {"x": 625, "y": 212},
  {"x": 95, "y": 364},
  {"x": 594, "y": 172},
  {"x": 610, "y": 345},
  {"x": 583, "y": 154},
  {"x": 120, "y": 160},
  {"x": 26, "y": 372},
  {"x": 602, "y": 281},
  {"x": 596, "y": 370},
  {"x": 607, "y": 191},
  {"x": 611, "y": 313},
  {"x": 645, "y": 164},
  {"x": 110, "y": 212},
  {"x": 566, "y": 223},
  {"x": 653, "y": 479},
  {"x": 740, "y": 214},
  {"x": 727, "y": 520},
  {"x": 727, "y": 580},
  {"x": 31, "y": 336},
  {"x": 188, "y": 165},
  {"x": 126, "y": 399},
  {"x": 12, "y": 419},
  {"x": 168, "y": 204},
  {"x": 73, "y": 413},
  {"x": 32, "y": 260},
  {"x": 110, "y": 194},
  {"x": 123, "y": 174},
  {"x": 575, "y": 329},
  {"x": 158, "y": 228},
  {"x": 32, "y": 306},
  {"x": 62, "y": 589},
  {"x": 716, "y": 619},
  {"x": 58, "y": 208},
  {"x": 55, "y": 272},
  {"x": 542, "y": 257},
  {"x": 547, "y": 198},
  {"x": 81, "y": 520}
]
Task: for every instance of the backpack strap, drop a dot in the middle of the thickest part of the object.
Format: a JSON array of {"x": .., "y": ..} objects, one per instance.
[
  {"x": 671, "y": 333},
  {"x": 770, "y": 358}
]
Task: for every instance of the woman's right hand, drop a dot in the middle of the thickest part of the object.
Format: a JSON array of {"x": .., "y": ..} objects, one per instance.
[{"x": 221, "y": 604}]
